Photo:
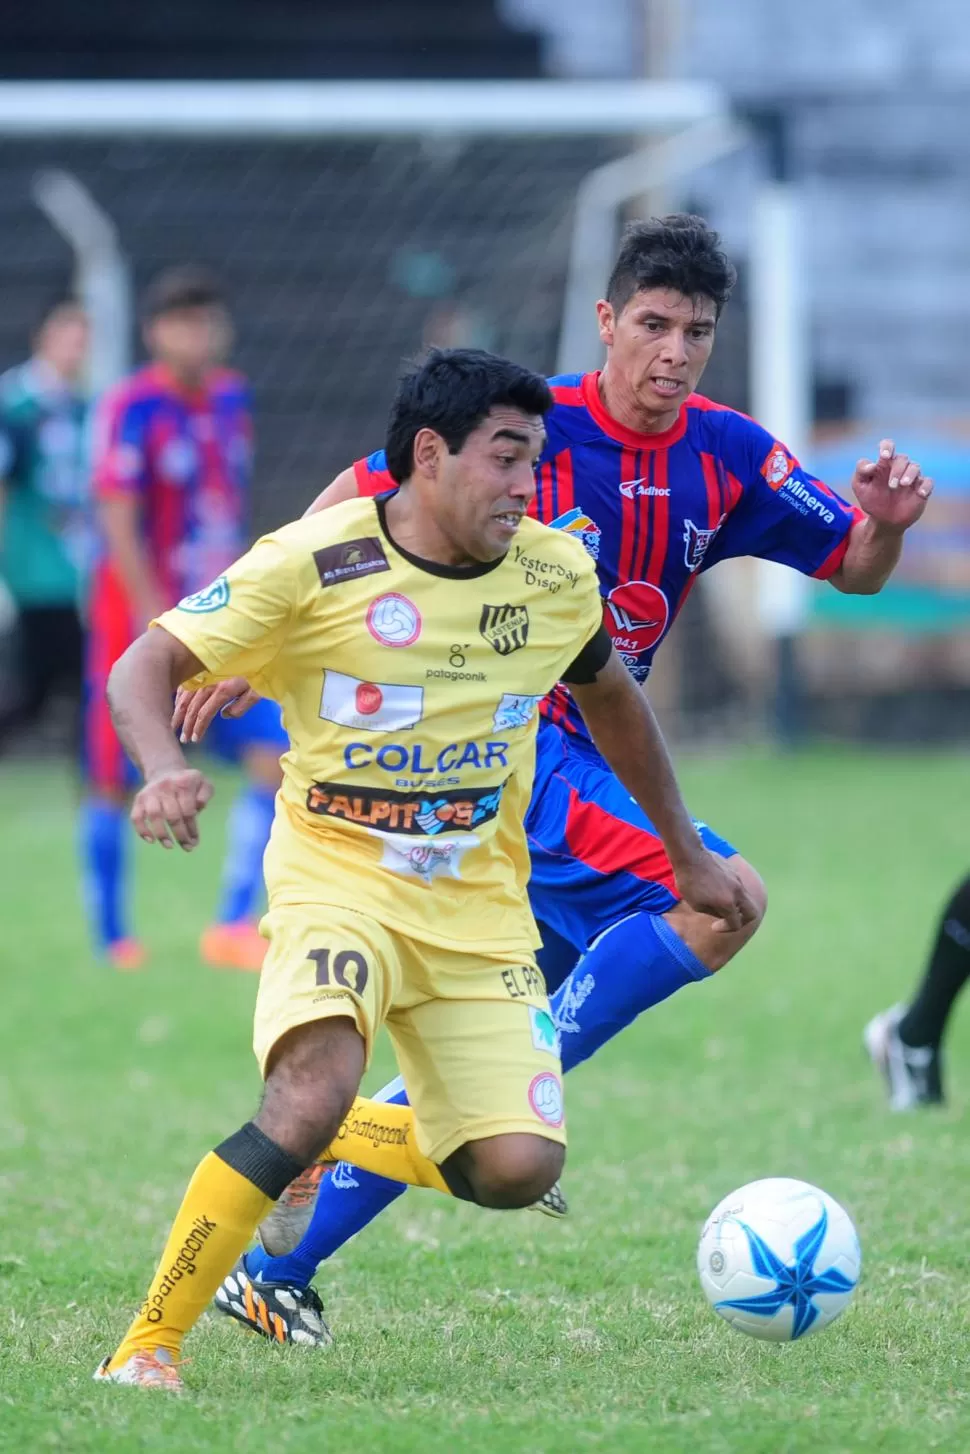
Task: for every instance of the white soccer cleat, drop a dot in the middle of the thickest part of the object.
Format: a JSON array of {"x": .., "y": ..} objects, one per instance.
[
  {"x": 912, "y": 1073},
  {"x": 153, "y": 1369}
]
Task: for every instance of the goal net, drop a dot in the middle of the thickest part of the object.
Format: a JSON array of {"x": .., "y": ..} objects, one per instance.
[{"x": 353, "y": 226}]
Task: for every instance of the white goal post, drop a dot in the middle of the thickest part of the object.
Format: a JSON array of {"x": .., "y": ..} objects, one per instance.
[{"x": 673, "y": 127}]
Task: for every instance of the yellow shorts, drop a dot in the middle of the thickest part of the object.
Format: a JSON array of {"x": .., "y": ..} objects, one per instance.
[{"x": 473, "y": 1036}]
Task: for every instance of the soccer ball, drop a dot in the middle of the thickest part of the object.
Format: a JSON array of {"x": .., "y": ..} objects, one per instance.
[{"x": 779, "y": 1259}]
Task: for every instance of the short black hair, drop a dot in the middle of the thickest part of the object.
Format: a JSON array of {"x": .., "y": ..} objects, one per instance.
[
  {"x": 679, "y": 252},
  {"x": 451, "y": 392},
  {"x": 187, "y": 286}
]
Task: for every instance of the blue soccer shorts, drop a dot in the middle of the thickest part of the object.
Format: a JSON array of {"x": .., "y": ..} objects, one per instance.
[{"x": 596, "y": 856}]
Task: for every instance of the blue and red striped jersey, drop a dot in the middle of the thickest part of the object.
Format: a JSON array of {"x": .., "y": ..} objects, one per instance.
[
  {"x": 187, "y": 457},
  {"x": 655, "y": 510}
]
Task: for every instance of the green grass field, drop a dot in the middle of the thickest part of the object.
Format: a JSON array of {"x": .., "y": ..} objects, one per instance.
[{"x": 481, "y": 1331}]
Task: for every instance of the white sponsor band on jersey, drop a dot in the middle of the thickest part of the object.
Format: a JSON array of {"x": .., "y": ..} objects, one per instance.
[{"x": 372, "y": 706}]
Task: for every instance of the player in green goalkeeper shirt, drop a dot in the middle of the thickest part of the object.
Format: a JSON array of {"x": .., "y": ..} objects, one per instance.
[{"x": 44, "y": 531}]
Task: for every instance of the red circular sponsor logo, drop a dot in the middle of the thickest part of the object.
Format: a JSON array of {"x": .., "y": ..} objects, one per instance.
[
  {"x": 636, "y": 616},
  {"x": 369, "y": 699}
]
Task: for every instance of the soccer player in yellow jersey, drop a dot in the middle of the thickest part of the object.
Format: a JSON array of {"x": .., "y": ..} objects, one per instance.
[{"x": 408, "y": 640}]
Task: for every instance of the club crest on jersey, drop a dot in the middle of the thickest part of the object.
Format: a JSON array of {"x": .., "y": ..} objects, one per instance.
[
  {"x": 696, "y": 542},
  {"x": 505, "y": 628},
  {"x": 577, "y": 522},
  {"x": 636, "y": 617},
  {"x": 778, "y": 466},
  {"x": 212, "y": 598}
]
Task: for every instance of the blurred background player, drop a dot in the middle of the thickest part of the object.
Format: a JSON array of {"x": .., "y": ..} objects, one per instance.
[
  {"x": 170, "y": 477},
  {"x": 904, "y": 1042},
  {"x": 45, "y": 535}
]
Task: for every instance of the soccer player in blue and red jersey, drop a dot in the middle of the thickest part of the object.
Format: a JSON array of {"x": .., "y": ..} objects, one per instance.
[
  {"x": 171, "y": 471},
  {"x": 660, "y": 484}
]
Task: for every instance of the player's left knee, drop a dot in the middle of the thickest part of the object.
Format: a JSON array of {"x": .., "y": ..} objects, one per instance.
[
  {"x": 755, "y": 886},
  {"x": 511, "y": 1171},
  {"x": 720, "y": 949}
]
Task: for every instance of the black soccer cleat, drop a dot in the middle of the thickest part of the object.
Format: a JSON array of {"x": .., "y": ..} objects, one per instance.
[
  {"x": 913, "y": 1074},
  {"x": 280, "y": 1311}
]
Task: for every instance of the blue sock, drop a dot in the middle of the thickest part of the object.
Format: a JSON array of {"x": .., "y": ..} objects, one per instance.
[
  {"x": 103, "y": 827},
  {"x": 634, "y": 964},
  {"x": 348, "y": 1200},
  {"x": 250, "y": 819}
]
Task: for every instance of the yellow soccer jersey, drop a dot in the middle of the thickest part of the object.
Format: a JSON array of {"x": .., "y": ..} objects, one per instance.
[{"x": 410, "y": 694}]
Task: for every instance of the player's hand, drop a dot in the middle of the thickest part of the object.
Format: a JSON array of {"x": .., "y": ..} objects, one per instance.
[
  {"x": 710, "y": 886},
  {"x": 892, "y": 489},
  {"x": 195, "y": 710},
  {"x": 168, "y": 806}
]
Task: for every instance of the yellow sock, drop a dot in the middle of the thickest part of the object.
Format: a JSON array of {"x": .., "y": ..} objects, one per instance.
[
  {"x": 218, "y": 1216},
  {"x": 379, "y": 1136}
]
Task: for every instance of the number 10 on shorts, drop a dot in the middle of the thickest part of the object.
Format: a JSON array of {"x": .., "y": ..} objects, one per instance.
[{"x": 347, "y": 969}]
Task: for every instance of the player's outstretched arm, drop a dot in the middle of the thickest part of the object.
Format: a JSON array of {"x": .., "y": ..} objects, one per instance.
[
  {"x": 140, "y": 697},
  {"x": 625, "y": 730},
  {"x": 893, "y": 492}
]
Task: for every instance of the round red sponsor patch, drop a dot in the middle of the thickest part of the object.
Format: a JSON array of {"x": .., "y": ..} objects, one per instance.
[
  {"x": 636, "y": 616},
  {"x": 394, "y": 620},
  {"x": 368, "y": 699},
  {"x": 545, "y": 1098}
]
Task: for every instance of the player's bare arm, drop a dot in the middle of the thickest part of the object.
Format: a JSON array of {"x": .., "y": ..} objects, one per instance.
[
  {"x": 893, "y": 492},
  {"x": 118, "y": 519},
  {"x": 140, "y": 690},
  {"x": 344, "y": 487},
  {"x": 624, "y": 729}
]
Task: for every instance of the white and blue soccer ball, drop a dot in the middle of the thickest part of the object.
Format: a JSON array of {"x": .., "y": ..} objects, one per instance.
[{"x": 779, "y": 1259}]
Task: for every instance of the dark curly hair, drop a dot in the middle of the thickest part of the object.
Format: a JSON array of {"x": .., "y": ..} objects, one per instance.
[{"x": 679, "y": 252}]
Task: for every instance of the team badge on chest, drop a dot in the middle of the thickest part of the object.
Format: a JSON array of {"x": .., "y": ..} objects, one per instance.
[
  {"x": 505, "y": 628},
  {"x": 696, "y": 542}
]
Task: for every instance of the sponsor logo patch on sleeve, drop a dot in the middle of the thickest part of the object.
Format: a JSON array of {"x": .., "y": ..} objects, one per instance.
[
  {"x": 212, "y": 598},
  {"x": 544, "y": 1034},
  {"x": 778, "y": 466}
]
